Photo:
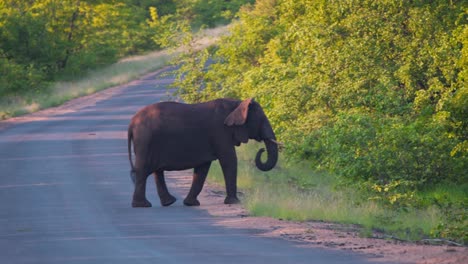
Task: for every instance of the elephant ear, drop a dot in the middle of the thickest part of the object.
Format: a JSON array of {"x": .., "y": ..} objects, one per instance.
[{"x": 239, "y": 115}]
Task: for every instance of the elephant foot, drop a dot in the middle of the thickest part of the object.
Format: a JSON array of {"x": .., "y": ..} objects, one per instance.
[
  {"x": 231, "y": 200},
  {"x": 144, "y": 203},
  {"x": 191, "y": 202},
  {"x": 166, "y": 201}
]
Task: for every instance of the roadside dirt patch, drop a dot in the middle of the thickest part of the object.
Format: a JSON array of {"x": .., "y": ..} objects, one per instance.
[{"x": 319, "y": 234}]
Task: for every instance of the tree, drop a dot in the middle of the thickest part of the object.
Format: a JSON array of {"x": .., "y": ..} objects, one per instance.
[{"x": 370, "y": 90}]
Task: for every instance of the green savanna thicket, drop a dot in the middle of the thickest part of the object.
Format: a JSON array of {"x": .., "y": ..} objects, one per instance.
[
  {"x": 373, "y": 91},
  {"x": 45, "y": 40},
  {"x": 41, "y": 40}
]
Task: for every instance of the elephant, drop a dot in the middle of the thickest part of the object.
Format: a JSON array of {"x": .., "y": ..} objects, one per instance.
[{"x": 169, "y": 136}]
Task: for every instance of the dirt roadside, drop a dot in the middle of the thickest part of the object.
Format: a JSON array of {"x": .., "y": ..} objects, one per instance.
[{"x": 319, "y": 234}]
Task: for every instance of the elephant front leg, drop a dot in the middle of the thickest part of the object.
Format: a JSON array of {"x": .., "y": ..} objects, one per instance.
[
  {"x": 139, "y": 195},
  {"x": 199, "y": 176},
  {"x": 229, "y": 167},
  {"x": 164, "y": 196}
]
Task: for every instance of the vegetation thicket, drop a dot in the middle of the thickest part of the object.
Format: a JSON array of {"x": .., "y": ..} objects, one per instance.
[
  {"x": 374, "y": 92},
  {"x": 44, "y": 41},
  {"x": 40, "y": 40}
]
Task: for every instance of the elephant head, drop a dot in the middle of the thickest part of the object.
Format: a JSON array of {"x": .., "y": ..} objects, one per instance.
[{"x": 248, "y": 121}]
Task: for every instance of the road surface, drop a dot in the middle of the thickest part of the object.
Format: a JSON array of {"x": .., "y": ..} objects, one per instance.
[{"x": 65, "y": 195}]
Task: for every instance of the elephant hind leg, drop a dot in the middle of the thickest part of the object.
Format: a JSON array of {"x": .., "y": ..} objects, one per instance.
[
  {"x": 164, "y": 196},
  {"x": 199, "y": 176},
  {"x": 139, "y": 195}
]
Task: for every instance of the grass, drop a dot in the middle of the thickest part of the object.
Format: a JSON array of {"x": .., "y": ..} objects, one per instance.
[
  {"x": 296, "y": 192},
  {"x": 59, "y": 92}
]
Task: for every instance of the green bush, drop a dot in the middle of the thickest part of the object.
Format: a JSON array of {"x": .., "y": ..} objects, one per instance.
[
  {"x": 46, "y": 40},
  {"x": 212, "y": 13},
  {"x": 371, "y": 91},
  {"x": 359, "y": 146},
  {"x": 52, "y": 40},
  {"x": 16, "y": 78}
]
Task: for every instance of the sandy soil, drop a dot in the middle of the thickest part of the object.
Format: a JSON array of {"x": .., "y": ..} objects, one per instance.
[{"x": 319, "y": 234}]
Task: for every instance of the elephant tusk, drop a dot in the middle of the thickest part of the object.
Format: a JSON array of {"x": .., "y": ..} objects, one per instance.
[{"x": 276, "y": 142}]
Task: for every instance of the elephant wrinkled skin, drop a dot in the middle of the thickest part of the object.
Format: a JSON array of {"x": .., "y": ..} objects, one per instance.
[{"x": 170, "y": 136}]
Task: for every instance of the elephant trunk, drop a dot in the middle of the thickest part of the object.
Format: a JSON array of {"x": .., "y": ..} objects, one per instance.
[
  {"x": 271, "y": 147},
  {"x": 272, "y": 156}
]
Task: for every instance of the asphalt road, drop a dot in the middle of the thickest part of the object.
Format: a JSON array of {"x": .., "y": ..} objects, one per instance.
[{"x": 65, "y": 195}]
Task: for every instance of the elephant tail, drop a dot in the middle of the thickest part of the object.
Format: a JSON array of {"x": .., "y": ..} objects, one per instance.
[{"x": 130, "y": 141}]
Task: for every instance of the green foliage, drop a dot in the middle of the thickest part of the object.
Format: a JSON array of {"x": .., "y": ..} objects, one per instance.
[
  {"x": 371, "y": 91},
  {"x": 209, "y": 13},
  {"x": 362, "y": 147},
  {"x": 212, "y": 12},
  {"x": 454, "y": 225},
  {"x": 375, "y": 92},
  {"x": 59, "y": 92},
  {"x": 15, "y": 77},
  {"x": 45, "y": 39},
  {"x": 398, "y": 194}
]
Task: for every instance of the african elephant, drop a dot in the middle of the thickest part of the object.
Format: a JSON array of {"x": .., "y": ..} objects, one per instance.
[{"x": 170, "y": 136}]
